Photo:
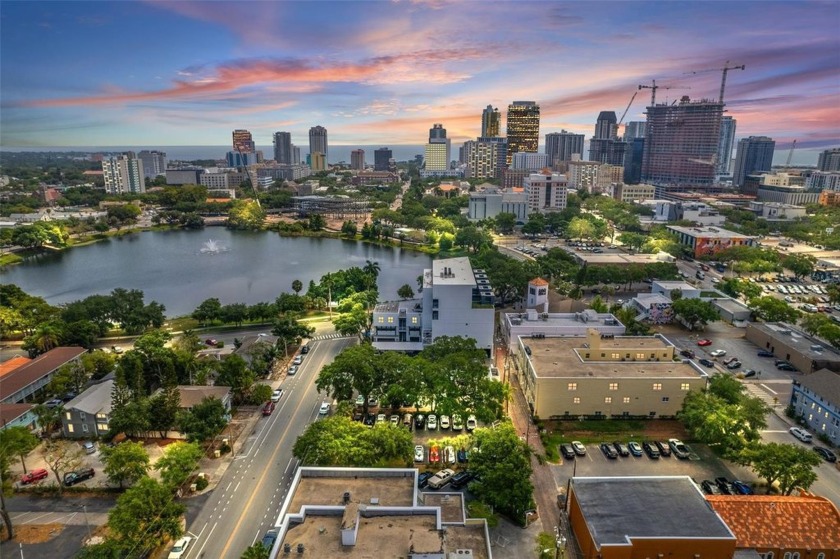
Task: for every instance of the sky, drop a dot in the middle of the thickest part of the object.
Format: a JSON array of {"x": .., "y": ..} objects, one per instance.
[{"x": 383, "y": 72}]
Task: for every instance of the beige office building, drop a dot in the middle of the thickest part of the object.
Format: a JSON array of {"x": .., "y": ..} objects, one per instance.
[{"x": 605, "y": 376}]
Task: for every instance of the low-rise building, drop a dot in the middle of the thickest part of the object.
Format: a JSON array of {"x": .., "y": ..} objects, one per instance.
[
  {"x": 781, "y": 526},
  {"x": 620, "y": 259},
  {"x": 490, "y": 203},
  {"x": 806, "y": 353},
  {"x": 816, "y": 399},
  {"x": 191, "y": 395},
  {"x": 18, "y": 415},
  {"x": 88, "y": 414},
  {"x": 190, "y": 175},
  {"x": 602, "y": 376},
  {"x": 687, "y": 290},
  {"x": 645, "y": 517},
  {"x": 23, "y": 383},
  {"x": 731, "y": 310},
  {"x": 705, "y": 241},
  {"x": 535, "y": 324},
  {"x": 791, "y": 195},
  {"x": 774, "y": 211},
  {"x": 631, "y": 192},
  {"x": 545, "y": 192},
  {"x": 358, "y": 513},
  {"x": 829, "y": 198}
]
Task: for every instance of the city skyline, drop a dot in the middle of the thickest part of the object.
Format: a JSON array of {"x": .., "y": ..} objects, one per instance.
[{"x": 211, "y": 68}]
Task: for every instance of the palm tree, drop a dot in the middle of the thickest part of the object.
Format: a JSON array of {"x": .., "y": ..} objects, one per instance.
[
  {"x": 297, "y": 285},
  {"x": 372, "y": 269},
  {"x": 46, "y": 337}
]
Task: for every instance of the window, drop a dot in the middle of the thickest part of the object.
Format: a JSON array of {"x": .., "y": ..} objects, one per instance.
[
  {"x": 390, "y": 320},
  {"x": 616, "y": 356},
  {"x": 613, "y": 386},
  {"x": 820, "y": 555},
  {"x": 102, "y": 427},
  {"x": 768, "y": 555},
  {"x": 69, "y": 416},
  {"x": 572, "y": 386},
  {"x": 657, "y": 386},
  {"x": 626, "y": 399},
  {"x": 608, "y": 400},
  {"x": 603, "y": 355},
  {"x": 69, "y": 427},
  {"x": 586, "y": 356},
  {"x": 685, "y": 386},
  {"x": 665, "y": 398},
  {"x": 414, "y": 320},
  {"x": 380, "y": 320},
  {"x": 576, "y": 400},
  {"x": 640, "y": 356},
  {"x": 82, "y": 415},
  {"x": 434, "y": 315},
  {"x": 434, "y": 303},
  {"x": 84, "y": 427},
  {"x": 101, "y": 416}
]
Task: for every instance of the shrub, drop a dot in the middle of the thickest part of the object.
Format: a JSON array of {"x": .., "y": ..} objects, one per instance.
[{"x": 201, "y": 483}]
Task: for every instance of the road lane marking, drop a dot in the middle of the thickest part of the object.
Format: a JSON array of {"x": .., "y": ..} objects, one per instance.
[
  {"x": 286, "y": 471},
  {"x": 237, "y": 486},
  {"x": 768, "y": 389},
  {"x": 228, "y": 485},
  {"x": 210, "y": 533}
]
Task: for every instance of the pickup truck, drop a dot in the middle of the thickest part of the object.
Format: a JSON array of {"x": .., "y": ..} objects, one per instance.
[{"x": 441, "y": 478}]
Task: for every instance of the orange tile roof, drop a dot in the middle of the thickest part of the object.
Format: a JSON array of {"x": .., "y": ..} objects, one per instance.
[
  {"x": 538, "y": 281},
  {"x": 7, "y": 367},
  {"x": 783, "y": 522}
]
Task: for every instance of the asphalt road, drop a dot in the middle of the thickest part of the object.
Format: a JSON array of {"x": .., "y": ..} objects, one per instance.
[{"x": 249, "y": 496}]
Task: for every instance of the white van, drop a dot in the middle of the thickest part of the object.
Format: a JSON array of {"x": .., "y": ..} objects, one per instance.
[{"x": 801, "y": 434}]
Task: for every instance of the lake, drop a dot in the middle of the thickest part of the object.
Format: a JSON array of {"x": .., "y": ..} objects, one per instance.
[{"x": 170, "y": 267}]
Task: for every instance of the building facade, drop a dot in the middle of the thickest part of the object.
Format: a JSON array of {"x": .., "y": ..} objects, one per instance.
[
  {"x": 754, "y": 155},
  {"x": 318, "y": 143},
  {"x": 124, "y": 174},
  {"x": 357, "y": 160},
  {"x": 283, "y": 148},
  {"x": 437, "y": 151},
  {"x": 705, "y": 241},
  {"x": 583, "y": 174},
  {"x": 317, "y": 161},
  {"x": 487, "y": 204},
  {"x": 561, "y": 146},
  {"x": 27, "y": 381},
  {"x": 791, "y": 195},
  {"x": 816, "y": 400},
  {"x": 681, "y": 143},
  {"x": 184, "y": 176},
  {"x": 88, "y": 414},
  {"x": 382, "y": 159},
  {"x": 632, "y": 192},
  {"x": 727, "y": 142},
  {"x": 829, "y": 160},
  {"x": 530, "y": 161},
  {"x": 634, "y": 129},
  {"x": 605, "y": 147},
  {"x": 545, "y": 193},
  {"x": 491, "y": 122},
  {"x": 787, "y": 342},
  {"x": 820, "y": 180},
  {"x": 243, "y": 142},
  {"x": 523, "y": 127},
  {"x": 154, "y": 163}
]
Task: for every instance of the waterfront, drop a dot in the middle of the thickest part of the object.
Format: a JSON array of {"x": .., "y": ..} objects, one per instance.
[{"x": 170, "y": 267}]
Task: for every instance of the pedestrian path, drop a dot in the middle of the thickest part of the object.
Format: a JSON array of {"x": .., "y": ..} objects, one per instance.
[{"x": 328, "y": 337}]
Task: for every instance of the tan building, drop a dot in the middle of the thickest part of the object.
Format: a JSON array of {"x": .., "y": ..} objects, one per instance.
[
  {"x": 601, "y": 375},
  {"x": 829, "y": 198},
  {"x": 632, "y": 192},
  {"x": 804, "y": 352},
  {"x": 317, "y": 161}
]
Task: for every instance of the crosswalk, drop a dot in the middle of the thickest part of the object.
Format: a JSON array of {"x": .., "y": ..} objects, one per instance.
[{"x": 328, "y": 337}]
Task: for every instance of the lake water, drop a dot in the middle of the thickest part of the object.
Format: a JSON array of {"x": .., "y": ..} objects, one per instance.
[{"x": 170, "y": 268}]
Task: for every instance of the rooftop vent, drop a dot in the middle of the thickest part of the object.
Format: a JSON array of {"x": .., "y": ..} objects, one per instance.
[
  {"x": 300, "y": 548},
  {"x": 287, "y": 548},
  {"x": 346, "y": 497}
]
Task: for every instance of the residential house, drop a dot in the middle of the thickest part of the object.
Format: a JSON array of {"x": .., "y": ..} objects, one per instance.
[
  {"x": 88, "y": 414},
  {"x": 816, "y": 399}
]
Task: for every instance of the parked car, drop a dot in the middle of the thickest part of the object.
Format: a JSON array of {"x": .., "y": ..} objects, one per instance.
[
  {"x": 801, "y": 434},
  {"x": 621, "y": 448},
  {"x": 270, "y": 537},
  {"x": 370, "y": 419},
  {"x": 457, "y": 422},
  {"x": 749, "y": 373},
  {"x": 360, "y": 400},
  {"x": 297, "y": 360},
  {"x": 651, "y": 450},
  {"x": 679, "y": 449},
  {"x": 664, "y": 449},
  {"x": 408, "y": 421},
  {"x": 304, "y": 349},
  {"x": 268, "y": 409},
  {"x": 444, "y": 422},
  {"x": 710, "y": 487},
  {"x": 471, "y": 423},
  {"x": 609, "y": 451},
  {"x": 687, "y": 353},
  {"x": 461, "y": 479},
  {"x": 729, "y": 360},
  {"x": 276, "y": 395},
  {"x": 78, "y": 476},
  {"x": 292, "y": 370},
  {"x": 434, "y": 454},
  {"x": 717, "y": 352},
  {"x": 732, "y": 365},
  {"x": 180, "y": 548},
  {"x": 211, "y": 341},
  {"x": 431, "y": 422},
  {"x": 706, "y": 363},
  {"x": 567, "y": 451},
  {"x": 449, "y": 454},
  {"x": 580, "y": 450},
  {"x": 33, "y": 476},
  {"x": 423, "y": 479},
  {"x": 324, "y": 409},
  {"x": 394, "y": 420},
  {"x": 462, "y": 456},
  {"x": 89, "y": 447},
  {"x": 725, "y": 486},
  {"x": 441, "y": 478},
  {"x": 704, "y": 342},
  {"x": 784, "y": 366},
  {"x": 742, "y": 488},
  {"x": 635, "y": 448},
  {"x": 419, "y": 421},
  {"x": 419, "y": 453},
  {"x": 381, "y": 418},
  {"x": 828, "y": 455}
]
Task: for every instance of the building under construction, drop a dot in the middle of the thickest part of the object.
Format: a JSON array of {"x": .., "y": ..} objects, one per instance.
[
  {"x": 681, "y": 143},
  {"x": 336, "y": 207}
]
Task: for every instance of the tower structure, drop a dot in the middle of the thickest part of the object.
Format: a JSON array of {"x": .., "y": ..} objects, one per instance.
[
  {"x": 123, "y": 174},
  {"x": 727, "y": 142},
  {"x": 754, "y": 156},
  {"x": 382, "y": 158},
  {"x": 605, "y": 147},
  {"x": 523, "y": 127},
  {"x": 681, "y": 141},
  {"x": 491, "y": 122},
  {"x": 154, "y": 163},
  {"x": 437, "y": 151},
  {"x": 560, "y": 146},
  {"x": 318, "y": 141},
  {"x": 243, "y": 142},
  {"x": 357, "y": 159},
  {"x": 829, "y": 160},
  {"x": 283, "y": 148}
]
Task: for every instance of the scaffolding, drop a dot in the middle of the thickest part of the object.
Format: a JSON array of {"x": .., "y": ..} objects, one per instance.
[{"x": 336, "y": 207}]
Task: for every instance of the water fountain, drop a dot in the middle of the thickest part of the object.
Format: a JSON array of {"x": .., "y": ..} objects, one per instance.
[{"x": 213, "y": 247}]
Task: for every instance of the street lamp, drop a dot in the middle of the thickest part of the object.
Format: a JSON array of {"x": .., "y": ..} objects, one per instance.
[{"x": 84, "y": 509}]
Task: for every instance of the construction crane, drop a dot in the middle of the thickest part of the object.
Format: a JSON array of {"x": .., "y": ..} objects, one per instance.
[
  {"x": 624, "y": 114},
  {"x": 725, "y": 70},
  {"x": 653, "y": 87},
  {"x": 252, "y": 178},
  {"x": 790, "y": 154}
]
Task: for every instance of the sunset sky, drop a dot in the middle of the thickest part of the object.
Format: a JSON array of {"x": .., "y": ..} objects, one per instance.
[{"x": 381, "y": 72}]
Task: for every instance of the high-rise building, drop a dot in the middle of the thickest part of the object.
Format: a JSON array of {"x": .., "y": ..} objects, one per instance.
[
  {"x": 437, "y": 132},
  {"x": 529, "y": 161},
  {"x": 634, "y": 129},
  {"x": 242, "y": 141},
  {"x": 485, "y": 157},
  {"x": 681, "y": 141},
  {"x": 559, "y": 146},
  {"x": 123, "y": 174},
  {"x": 491, "y": 122},
  {"x": 295, "y": 155},
  {"x": 382, "y": 158},
  {"x": 754, "y": 155},
  {"x": 437, "y": 151},
  {"x": 317, "y": 161},
  {"x": 633, "y": 161},
  {"x": 283, "y": 148},
  {"x": 727, "y": 142},
  {"x": 357, "y": 159},
  {"x": 606, "y": 127},
  {"x": 523, "y": 127},
  {"x": 545, "y": 193},
  {"x": 154, "y": 163},
  {"x": 318, "y": 141},
  {"x": 605, "y": 147},
  {"x": 241, "y": 159},
  {"x": 829, "y": 160}
]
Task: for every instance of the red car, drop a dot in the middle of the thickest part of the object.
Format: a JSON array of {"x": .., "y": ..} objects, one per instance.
[
  {"x": 269, "y": 408},
  {"x": 33, "y": 476},
  {"x": 704, "y": 342},
  {"x": 434, "y": 454}
]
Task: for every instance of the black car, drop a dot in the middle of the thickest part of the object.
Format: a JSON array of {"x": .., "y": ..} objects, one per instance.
[
  {"x": 72, "y": 478},
  {"x": 725, "y": 486},
  {"x": 651, "y": 450},
  {"x": 357, "y": 416},
  {"x": 664, "y": 449},
  {"x": 749, "y": 373},
  {"x": 419, "y": 421},
  {"x": 732, "y": 365},
  {"x": 621, "y": 448},
  {"x": 785, "y": 366},
  {"x": 826, "y": 453},
  {"x": 567, "y": 451},
  {"x": 765, "y": 353},
  {"x": 423, "y": 479},
  {"x": 460, "y": 480},
  {"x": 269, "y": 538},
  {"x": 710, "y": 487},
  {"x": 304, "y": 349},
  {"x": 687, "y": 353},
  {"x": 370, "y": 419},
  {"x": 706, "y": 363},
  {"x": 609, "y": 451}
]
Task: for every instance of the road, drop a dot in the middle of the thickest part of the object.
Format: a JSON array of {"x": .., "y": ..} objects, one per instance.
[{"x": 248, "y": 498}]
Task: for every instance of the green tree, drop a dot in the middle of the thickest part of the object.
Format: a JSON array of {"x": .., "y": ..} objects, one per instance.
[
  {"x": 61, "y": 457},
  {"x": 339, "y": 441},
  {"x": 47, "y": 418},
  {"x": 178, "y": 462},
  {"x": 349, "y": 228},
  {"x": 800, "y": 264},
  {"x": 771, "y": 309},
  {"x": 405, "y": 292},
  {"x": 505, "y": 222},
  {"x": 204, "y": 421},
  {"x": 125, "y": 463},
  {"x": 695, "y": 312},
  {"x": 787, "y": 464},
  {"x": 233, "y": 371},
  {"x": 260, "y": 393},
  {"x": 501, "y": 462},
  {"x": 473, "y": 238},
  {"x": 297, "y": 285},
  {"x": 146, "y": 516},
  {"x": 352, "y": 323},
  {"x": 208, "y": 311},
  {"x": 632, "y": 240},
  {"x": 246, "y": 214},
  {"x": 580, "y": 228},
  {"x": 598, "y": 304},
  {"x": 98, "y": 363},
  {"x": 353, "y": 369},
  {"x": 15, "y": 443},
  {"x": 316, "y": 222},
  {"x": 163, "y": 410},
  {"x": 535, "y": 224},
  {"x": 256, "y": 551},
  {"x": 818, "y": 324},
  {"x": 70, "y": 377},
  {"x": 290, "y": 330}
]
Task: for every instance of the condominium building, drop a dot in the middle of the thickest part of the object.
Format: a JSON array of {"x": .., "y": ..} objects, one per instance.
[
  {"x": 456, "y": 300},
  {"x": 603, "y": 376},
  {"x": 222, "y": 180},
  {"x": 317, "y": 161},
  {"x": 485, "y": 157},
  {"x": 382, "y": 159},
  {"x": 725, "y": 145},
  {"x": 754, "y": 155},
  {"x": 283, "y": 148},
  {"x": 561, "y": 146},
  {"x": 491, "y": 122},
  {"x": 816, "y": 399},
  {"x": 154, "y": 163},
  {"x": 123, "y": 174},
  {"x": 823, "y": 180},
  {"x": 545, "y": 192},
  {"x": 829, "y": 160},
  {"x": 437, "y": 152},
  {"x": 606, "y": 176},
  {"x": 318, "y": 142},
  {"x": 243, "y": 141},
  {"x": 583, "y": 174},
  {"x": 634, "y": 129},
  {"x": 681, "y": 143},
  {"x": 523, "y": 127},
  {"x": 357, "y": 159},
  {"x": 605, "y": 147},
  {"x": 530, "y": 161}
]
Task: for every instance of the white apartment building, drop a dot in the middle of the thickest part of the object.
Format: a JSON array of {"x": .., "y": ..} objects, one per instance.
[
  {"x": 483, "y": 205},
  {"x": 583, "y": 174},
  {"x": 545, "y": 193},
  {"x": 529, "y": 161},
  {"x": 221, "y": 180},
  {"x": 456, "y": 300},
  {"x": 820, "y": 180},
  {"x": 123, "y": 174}
]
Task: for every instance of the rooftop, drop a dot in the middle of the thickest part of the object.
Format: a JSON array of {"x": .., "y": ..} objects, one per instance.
[
  {"x": 777, "y": 521},
  {"x": 249, "y": 341},
  {"x": 621, "y": 259},
  {"x": 192, "y": 395},
  {"x": 451, "y": 505},
  {"x": 96, "y": 399},
  {"x": 36, "y": 369},
  {"x": 798, "y": 339},
  {"x": 392, "y": 491},
  {"x": 587, "y": 318},
  {"x": 709, "y": 232},
  {"x": 616, "y": 509},
  {"x": 671, "y": 285},
  {"x": 453, "y": 271},
  {"x": 410, "y": 305},
  {"x": 825, "y": 383},
  {"x": 10, "y": 412},
  {"x": 7, "y": 367}
]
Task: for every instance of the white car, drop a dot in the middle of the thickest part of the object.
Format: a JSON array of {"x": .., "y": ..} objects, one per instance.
[
  {"x": 360, "y": 400},
  {"x": 325, "y": 409},
  {"x": 471, "y": 423},
  {"x": 715, "y": 280},
  {"x": 381, "y": 418},
  {"x": 444, "y": 422},
  {"x": 717, "y": 353},
  {"x": 457, "y": 422},
  {"x": 419, "y": 453},
  {"x": 395, "y": 420},
  {"x": 431, "y": 422},
  {"x": 180, "y": 548},
  {"x": 801, "y": 434},
  {"x": 276, "y": 395}
]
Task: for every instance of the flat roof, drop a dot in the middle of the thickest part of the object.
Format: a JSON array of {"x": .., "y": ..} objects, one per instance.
[
  {"x": 394, "y": 306},
  {"x": 460, "y": 272},
  {"x": 389, "y": 491},
  {"x": 559, "y": 358},
  {"x": 593, "y": 319},
  {"x": 607, "y": 258},
  {"x": 616, "y": 509},
  {"x": 710, "y": 232},
  {"x": 730, "y": 305},
  {"x": 798, "y": 339},
  {"x": 451, "y": 505},
  {"x": 684, "y": 286}
]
